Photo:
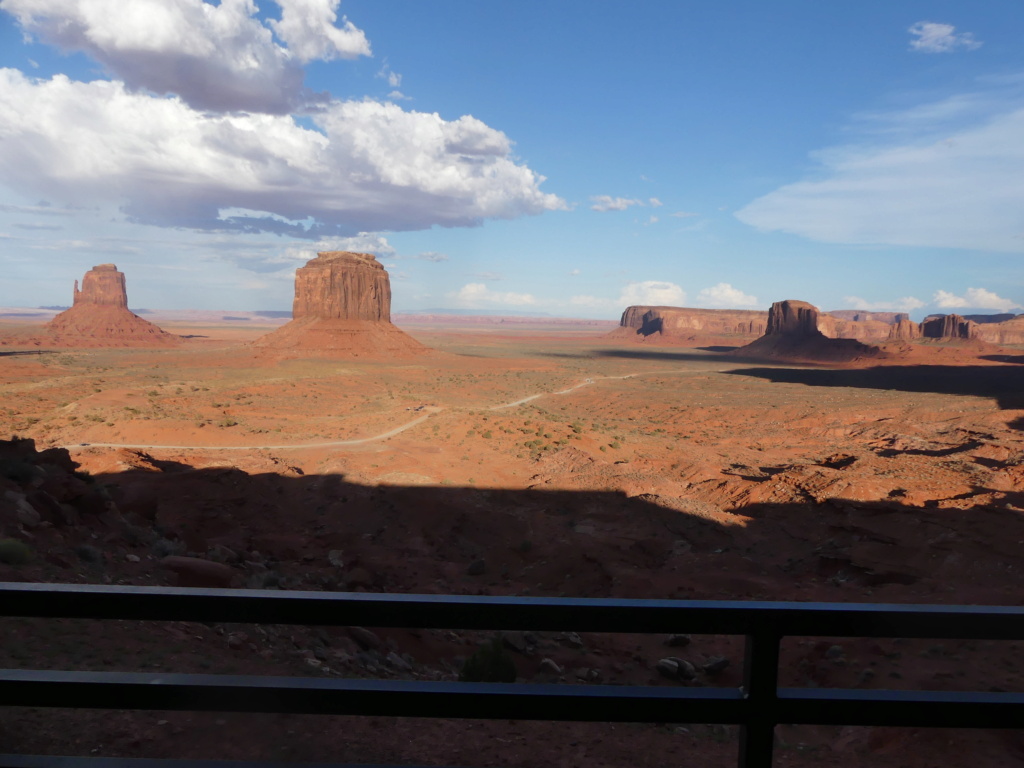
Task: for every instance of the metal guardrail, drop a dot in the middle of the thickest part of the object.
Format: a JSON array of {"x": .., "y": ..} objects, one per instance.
[{"x": 757, "y": 706}]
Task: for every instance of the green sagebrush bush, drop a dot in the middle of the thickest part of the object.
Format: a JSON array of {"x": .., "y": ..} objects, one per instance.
[{"x": 14, "y": 552}]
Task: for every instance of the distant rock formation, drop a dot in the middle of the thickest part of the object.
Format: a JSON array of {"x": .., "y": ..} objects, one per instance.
[
  {"x": 677, "y": 323},
  {"x": 99, "y": 316},
  {"x": 860, "y": 316},
  {"x": 1005, "y": 328},
  {"x": 342, "y": 308},
  {"x": 683, "y": 322},
  {"x": 863, "y": 326},
  {"x": 794, "y": 334},
  {"x": 1005, "y": 332},
  {"x": 1002, "y": 317},
  {"x": 948, "y": 327},
  {"x": 904, "y": 330},
  {"x": 793, "y": 318}
]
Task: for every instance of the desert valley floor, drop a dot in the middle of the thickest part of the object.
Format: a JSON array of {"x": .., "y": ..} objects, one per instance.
[{"x": 520, "y": 461}]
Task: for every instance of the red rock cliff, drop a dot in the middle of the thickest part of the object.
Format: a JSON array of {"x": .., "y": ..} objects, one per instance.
[
  {"x": 668, "y": 323},
  {"x": 686, "y": 321},
  {"x": 860, "y": 316},
  {"x": 793, "y": 318},
  {"x": 948, "y": 327},
  {"x": 102, "y": 286},
  {"x": 342, "y": 285},
  {"x": 904, "y": 330},
  {"x": 1007, "y": 332}
]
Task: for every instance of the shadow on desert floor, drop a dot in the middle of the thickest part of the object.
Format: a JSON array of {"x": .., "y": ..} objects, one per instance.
[
  {"x": 13, "y": 352},
  {"x": 288, "y": 530},
  {"x": 1005, "y": 385},
  {"x": 665, "y": 355}
]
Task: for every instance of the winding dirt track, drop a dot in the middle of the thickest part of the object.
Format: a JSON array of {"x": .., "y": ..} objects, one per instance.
[{"x": 363, "y": 440}]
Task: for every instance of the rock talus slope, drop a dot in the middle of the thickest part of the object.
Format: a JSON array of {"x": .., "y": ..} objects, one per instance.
[
  {"x": 100, "y": 316},
  {"x": 342, "y": 307}
]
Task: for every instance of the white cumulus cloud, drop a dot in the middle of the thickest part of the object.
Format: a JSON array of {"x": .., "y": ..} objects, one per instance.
[
  {"x": 904, "y": 304},
  {"x": 974, "y": 298},
  {"x": 653, "y": 292},
  {"x": 372, "y": 166},
  {"x": 930, "y": 37},
  {"x": 609, "y": 203},
  {"x": 648, "y": 292},
  {"x": 275, "y": 259},
  {"x": 478, "y": 295},
  {"x": 218, "y": 57},
  {"x": 921, "y": 182},
  {"x": 309, "y": 29},
  {"x": 725, "y": 296}
]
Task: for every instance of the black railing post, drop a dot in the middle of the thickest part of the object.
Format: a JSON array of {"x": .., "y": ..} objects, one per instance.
[{"x": 760, "y": 688}]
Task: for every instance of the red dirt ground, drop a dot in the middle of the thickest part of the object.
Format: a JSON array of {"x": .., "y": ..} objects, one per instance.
[{"x": 636, "y": 471}]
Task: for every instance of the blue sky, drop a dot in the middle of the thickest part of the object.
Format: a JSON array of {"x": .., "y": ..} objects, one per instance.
[{"x": 567, "y": 158}]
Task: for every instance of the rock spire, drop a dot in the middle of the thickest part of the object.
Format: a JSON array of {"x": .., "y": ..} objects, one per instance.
[{"x": 99, "y": 316}]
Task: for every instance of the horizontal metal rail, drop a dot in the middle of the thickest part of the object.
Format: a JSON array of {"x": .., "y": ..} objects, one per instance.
[
  {"x": 759, "y": 705},
  {"x": 718, "y": 617},
  {"x": 54, "y": 761}
]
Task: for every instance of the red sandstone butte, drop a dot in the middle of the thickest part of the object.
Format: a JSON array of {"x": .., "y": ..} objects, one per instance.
[
  {"x": 668, "y": 323},
  {"x": 342, "y": 308},
  {"x": 794, "y": 334},
  {"x": 683, "y": 322},
  {"x": 948, "y": 327},
  {"x": 99, "y": 316},
  {"x": 904, "y": 330},
  {"x": 1009, "y": 331}
]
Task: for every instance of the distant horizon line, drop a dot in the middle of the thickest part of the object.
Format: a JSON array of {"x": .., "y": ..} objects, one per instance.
[{"x": 462, "y": 312}]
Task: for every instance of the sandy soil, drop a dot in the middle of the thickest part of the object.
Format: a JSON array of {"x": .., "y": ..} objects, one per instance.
[{"x": 536, "y": 463}]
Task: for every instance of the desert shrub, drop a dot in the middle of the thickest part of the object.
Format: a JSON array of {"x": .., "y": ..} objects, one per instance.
[
  {"x": 14, "y": 552},
  {"x": 490, "y": 663}
]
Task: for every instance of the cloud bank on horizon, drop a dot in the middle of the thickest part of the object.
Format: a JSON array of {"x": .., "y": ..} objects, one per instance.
[{"x": 189, "y": 137}]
